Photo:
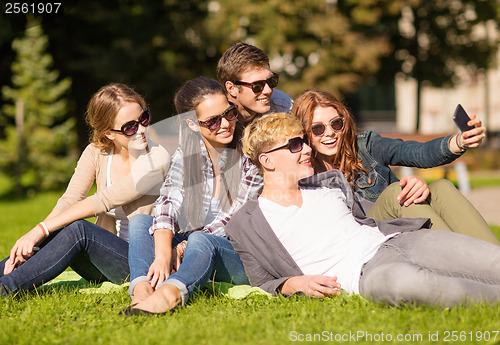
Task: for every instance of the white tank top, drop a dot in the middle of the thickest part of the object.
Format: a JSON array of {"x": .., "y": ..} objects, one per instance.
[{"x": 117, "y": 212}]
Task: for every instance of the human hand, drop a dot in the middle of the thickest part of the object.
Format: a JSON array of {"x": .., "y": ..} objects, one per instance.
[
  {"x": 23, "y": 249},
  {"x": 415, "y": 190},
  {"x": 159, "y": 271},
  {"x": 312, "y": 285},
  {"x": 473, "y": 137},
  {"x": 177, "y": 256}
]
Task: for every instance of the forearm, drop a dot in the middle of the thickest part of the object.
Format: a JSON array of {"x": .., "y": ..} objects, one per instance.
[
  {"x": 163, "y": 244},
  {"x": 59, "y": 219}
]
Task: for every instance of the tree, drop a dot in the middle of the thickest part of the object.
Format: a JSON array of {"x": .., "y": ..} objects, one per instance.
[
  {"x": 311, "y": 43},
  {"x": 38, "y": 149},
  {"x": 432, "y": 41}
]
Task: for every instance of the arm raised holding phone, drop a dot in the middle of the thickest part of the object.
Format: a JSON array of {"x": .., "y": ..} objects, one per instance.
[{"x": 471, "y": 133}]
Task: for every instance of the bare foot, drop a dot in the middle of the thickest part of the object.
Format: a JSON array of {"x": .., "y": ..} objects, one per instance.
[
  {"x": 162, "y": 300},
  {"x": 141, "y": 291}
]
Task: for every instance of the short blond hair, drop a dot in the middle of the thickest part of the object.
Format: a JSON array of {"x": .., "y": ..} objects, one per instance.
[{"x": 264, "y": 132}]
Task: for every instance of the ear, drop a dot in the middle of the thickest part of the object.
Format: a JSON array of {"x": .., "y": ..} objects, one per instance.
[
  {"x": 266, "y": 162},
  {"x": 193, "y": 126},
  {"x": 232, "y": 89},
  {"x": 110, "y": 135}
]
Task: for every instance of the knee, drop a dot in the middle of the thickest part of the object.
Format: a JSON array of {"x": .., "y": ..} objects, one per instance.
[
  {"x": 139, "y": 223},
  {"x": 200, "y": 240},
  {"x": 393, "y": 286},
  {"x": 441, "y": 188}
]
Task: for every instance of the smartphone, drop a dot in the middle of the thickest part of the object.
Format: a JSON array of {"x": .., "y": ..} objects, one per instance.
[{"x": 461, "y": 118}]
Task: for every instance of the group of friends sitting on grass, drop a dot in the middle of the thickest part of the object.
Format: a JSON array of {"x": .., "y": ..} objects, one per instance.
[{"x": 284, "y": 195}]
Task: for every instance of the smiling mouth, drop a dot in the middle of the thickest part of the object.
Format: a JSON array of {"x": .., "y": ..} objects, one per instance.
[
  {"x": 224, "y": 133},
  {"x": 263, "y": 100},
  {"x": 329, "y": 142}
]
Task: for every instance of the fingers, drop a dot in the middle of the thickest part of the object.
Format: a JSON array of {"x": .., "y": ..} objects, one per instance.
[
  {"x": 473, "y": 138},
  {"x": 415, "y": 190},
  {"x": 322, "y": 286}
]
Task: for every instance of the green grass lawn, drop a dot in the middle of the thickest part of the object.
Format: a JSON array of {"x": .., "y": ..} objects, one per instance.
[{"x": 68, "y": 316}]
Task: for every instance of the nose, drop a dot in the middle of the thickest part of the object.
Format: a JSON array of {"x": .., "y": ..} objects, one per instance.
[
  {"x": 329, "y": 130},
  {"x": 306, "y": 149},
  {"x": 267, "y": 89},
  {"x": 224, "y": 122},
  {"x": 141, "y": 129}
]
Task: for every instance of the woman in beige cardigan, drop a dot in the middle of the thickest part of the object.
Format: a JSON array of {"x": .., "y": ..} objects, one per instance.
[{"x": 128, "y": 171}]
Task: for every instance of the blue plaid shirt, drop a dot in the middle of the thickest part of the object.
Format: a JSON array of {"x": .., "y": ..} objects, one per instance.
[{"x": 167, "y": 210}]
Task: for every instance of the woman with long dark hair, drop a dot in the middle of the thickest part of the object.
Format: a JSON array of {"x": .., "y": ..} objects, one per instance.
[{"x": 208, "y": 181}]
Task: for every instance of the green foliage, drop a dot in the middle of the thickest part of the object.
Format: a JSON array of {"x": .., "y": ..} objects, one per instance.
[
  {"x": 42, "y": 155},
  {"x": 311, "y": 43}
]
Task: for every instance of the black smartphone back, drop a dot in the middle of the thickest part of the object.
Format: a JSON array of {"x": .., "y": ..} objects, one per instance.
[{"x": 461, "y": 118}]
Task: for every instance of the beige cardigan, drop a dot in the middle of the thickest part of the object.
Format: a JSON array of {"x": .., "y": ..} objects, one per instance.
[{"x": 136, "y": 192}]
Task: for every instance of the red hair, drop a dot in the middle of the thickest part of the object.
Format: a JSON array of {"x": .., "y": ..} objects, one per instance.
[{"x": 346, "y": 158}]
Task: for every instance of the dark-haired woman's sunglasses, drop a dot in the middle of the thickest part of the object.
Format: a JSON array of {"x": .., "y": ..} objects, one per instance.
[
  {"x": 294, "y": 145},
  {"x": 131, "y": 127},
  {"x": 259, "y": 85},
  {"x": 320, "y": 128},
  {"x": 214, "y": 123}
]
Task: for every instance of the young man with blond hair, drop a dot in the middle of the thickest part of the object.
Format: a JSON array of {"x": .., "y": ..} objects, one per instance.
[
  {"x": 245, "y": 74},
  {"x": 309, "y": 233}
]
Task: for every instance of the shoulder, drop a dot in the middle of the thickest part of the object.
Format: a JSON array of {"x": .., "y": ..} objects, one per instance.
[
  {"x": 239, "y": 220},
  {"x": 367, "y": 136},
  {"x": 92, "y": 155},
  {"x": 281, "y": 102},
  {"x": 158, "y": 154}
]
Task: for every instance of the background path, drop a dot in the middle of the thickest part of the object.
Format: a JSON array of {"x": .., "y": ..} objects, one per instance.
[{"x": 487, "y": 202}]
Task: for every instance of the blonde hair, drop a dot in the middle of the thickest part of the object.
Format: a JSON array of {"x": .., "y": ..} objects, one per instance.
[
  {"x": 264, "y": 132},
  {"x": 102, "y": 110}
]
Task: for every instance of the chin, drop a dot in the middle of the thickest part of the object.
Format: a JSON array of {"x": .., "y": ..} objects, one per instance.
[{"x": 138, "y": 146}]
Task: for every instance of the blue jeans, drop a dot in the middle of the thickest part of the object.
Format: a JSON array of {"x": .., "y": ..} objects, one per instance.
[
  {"x": 141, "y": 251},
  {"x": 433, "y": 267},
  {"x": 93, "y": 252},
  {"x": 206, "y": 257}
]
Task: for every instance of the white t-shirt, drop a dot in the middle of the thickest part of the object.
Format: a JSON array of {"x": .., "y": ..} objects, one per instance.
[{"x": 323, "y": 237}]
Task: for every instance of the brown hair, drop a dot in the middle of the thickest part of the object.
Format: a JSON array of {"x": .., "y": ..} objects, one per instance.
[
  {"x": 346, "y": 158},
  {"x": 186, "y": 100},
  {"x": 102, "y": 110},
  {"x": 264, "y": 132},
  {"x": 238, "y": 59}
]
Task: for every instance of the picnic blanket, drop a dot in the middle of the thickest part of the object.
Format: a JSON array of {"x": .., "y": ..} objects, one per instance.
[{"x": 71, "y": 279}]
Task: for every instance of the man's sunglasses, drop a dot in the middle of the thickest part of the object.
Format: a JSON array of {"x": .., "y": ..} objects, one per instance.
[
  {"x": 214, "y": 123},
  {"x": 131, "y": 127},
  {"x": 320, "y": 128},
  {"x": 294, "y": 145},
  {"x": 259, "y": 85}
]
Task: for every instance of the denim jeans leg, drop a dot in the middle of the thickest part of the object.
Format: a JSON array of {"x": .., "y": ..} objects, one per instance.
[
  {"x": 92, "y": 250},
  {"x": 207, "y": 256},
  {"x": 141, "y": 252},
  {"x": 433, "y": 267}
]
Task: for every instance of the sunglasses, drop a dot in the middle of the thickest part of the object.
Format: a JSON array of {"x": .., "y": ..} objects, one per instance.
[
  {"x": 259, "y": 85},
  {"x": 294, "y": 145},
  {"x": 131, "y": 127},
  {"x": 320, "y": 128},
  {"x": 214, "y": 123}
]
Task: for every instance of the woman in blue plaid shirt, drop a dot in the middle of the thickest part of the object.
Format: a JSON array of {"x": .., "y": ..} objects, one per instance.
[{"x": 209, "y": 180}]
